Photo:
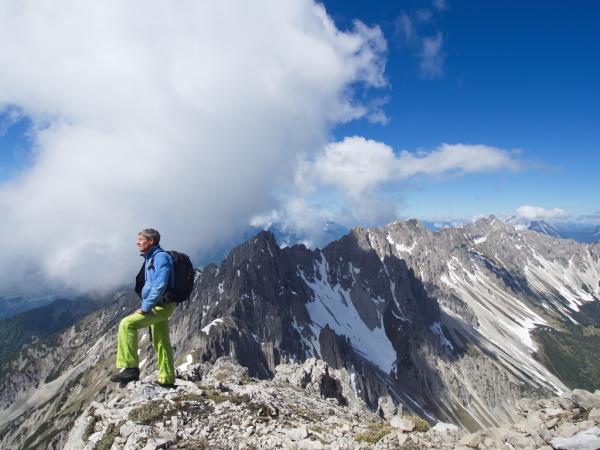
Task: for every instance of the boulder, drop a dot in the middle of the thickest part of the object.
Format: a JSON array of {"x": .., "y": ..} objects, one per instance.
[
  {"x": 297, "y": 434},
  {"x": 402, "y": 424},
  {"x": 595, "y": 415},
  {"x": 472, "y": 440},
  {"x": 545, "y": 434},
  {"x": 442, "y": 427},
  {"x": 226, "y": 371},
  {"x": 566, "y": 429},
  {"x": 552, "y": 422},
  {"x": 386, "y": 408},
  {"x": 585, "y": 399},
  {"x": 308, "y": 444},
  {"x": 585, "y": 440}
]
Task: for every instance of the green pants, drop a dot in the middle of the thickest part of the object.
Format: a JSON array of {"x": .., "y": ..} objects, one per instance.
[{"x": 127, "y": 345}]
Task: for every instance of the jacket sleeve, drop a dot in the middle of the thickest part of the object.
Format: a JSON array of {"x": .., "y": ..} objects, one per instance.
[{"x": 163, "y": 267}]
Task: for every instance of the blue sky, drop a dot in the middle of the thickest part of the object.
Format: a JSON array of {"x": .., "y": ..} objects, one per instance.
[{"x": 516, "y": 74}]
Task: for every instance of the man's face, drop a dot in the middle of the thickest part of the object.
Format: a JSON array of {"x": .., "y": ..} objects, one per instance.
[{"x": 144, "y": 244}]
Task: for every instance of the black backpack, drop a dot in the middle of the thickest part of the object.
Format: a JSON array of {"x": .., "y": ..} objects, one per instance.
[{"x": 183, "y": 279}]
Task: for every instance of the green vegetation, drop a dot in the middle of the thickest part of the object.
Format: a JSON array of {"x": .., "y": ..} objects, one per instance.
[
  {"x": 150, "y": 412},
  {"x": 572, "y": 355},
  {"x": 317, "y": 429},
  {"x": 111, "y": 432},
  {"x": 90, "y": 428},
  {"x": 588, "y": 314},
  {"x": 306, "y": 414},
  {"x": 421, "y": 425},
  {"x": 375, "y": 433},
  {"x": 216, "y": 396},
  {"x": 195, "y": 443}
]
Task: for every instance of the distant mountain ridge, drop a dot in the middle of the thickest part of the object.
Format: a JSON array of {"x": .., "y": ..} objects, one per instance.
[
  {"x": 40, "y": 322},
  {"x": 584, "y": 229},
  {"x": 10, "y": 306},
  {"x": 453, "y": 323},
  {"x": 542, "y": 227}
]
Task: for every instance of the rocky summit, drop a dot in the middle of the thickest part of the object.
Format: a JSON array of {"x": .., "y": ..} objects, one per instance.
[
  {"x": 308, "y": 406},
  {"x": 454, "y": 326}
]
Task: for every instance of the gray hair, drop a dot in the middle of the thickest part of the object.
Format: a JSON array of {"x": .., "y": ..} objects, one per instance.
[{"x": 150, "y": 233}]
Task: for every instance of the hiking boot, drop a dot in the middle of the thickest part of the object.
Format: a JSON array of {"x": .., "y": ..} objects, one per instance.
[
  {"x": 126, "y": 375},
  {"x": 164, "y": 385}
]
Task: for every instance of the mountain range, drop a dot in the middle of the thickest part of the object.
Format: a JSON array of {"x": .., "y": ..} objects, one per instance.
[
  {"x": 584, "y": 229},
  {"x": 455, "y": 325}
]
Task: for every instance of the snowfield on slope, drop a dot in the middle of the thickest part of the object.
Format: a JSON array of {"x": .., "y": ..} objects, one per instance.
[{"x": 333, "y": 306}]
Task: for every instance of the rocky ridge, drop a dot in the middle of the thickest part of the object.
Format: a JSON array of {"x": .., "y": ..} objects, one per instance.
[{"x": 307, "y": 406}]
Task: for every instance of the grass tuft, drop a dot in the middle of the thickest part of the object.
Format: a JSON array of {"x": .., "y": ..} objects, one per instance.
[
  {"x": 421, "y": 425},
  {"x": 375, "y": 433}
]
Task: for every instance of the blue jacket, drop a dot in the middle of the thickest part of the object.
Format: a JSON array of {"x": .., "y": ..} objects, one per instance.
[{"x": 158, "y": 275}]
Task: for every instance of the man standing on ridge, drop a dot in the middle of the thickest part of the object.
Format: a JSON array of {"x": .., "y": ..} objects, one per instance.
[{"x": 157, "y": 306}]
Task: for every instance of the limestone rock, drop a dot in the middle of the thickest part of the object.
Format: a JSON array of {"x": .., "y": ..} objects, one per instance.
[
  {"x": 566, "y": 429},
  {"x": 471, "y": 440},
  {"x": 386, "y": 408},
  {"x": 442, "y": 427},
  {"x": 585, "y": 440},
  {"x": 585, "y": 399},
  {"x": 402, "y": 424},
  {"x": 297, "y": 434},
  {"x": 594, "y": 414}
]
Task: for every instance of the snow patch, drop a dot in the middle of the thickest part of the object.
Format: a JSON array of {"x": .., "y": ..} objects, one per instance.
[
  {"x": 353, "y": 383},
  {"x": 481, "y": 239},
  {"x": 332, "y": 305},
  {"x": 207, "y": 328},
  {"x": 436, "y": 328},
  {"x": 189, "y": 360},
  {"x": 400, "y": 247}
]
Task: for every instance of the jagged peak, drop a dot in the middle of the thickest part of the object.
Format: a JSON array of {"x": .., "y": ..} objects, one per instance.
[
  {"x": 410, "y": 224},
  {"x": 262, "y": 245},
  {"x": 487, "y": 224}
]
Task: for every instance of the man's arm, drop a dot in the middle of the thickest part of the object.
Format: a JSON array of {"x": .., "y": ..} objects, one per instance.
[{"x": 163, "y": 267}]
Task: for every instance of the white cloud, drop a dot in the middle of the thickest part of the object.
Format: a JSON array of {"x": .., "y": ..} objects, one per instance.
[
  {"x": 355, "y": 164},
  {"x": 432, "y": 57},
  {"x": 423, "y": 15},
  {"x": 440, "y": 5},
  {"x": 358, "y": 181},
  {"x": 415, "y": 28},
  {"x": 174, "y": 115},
  {"x": 529, "y": 212},
  {"x": 404, "y": 24},
  {"x": 457, "y": 159}
]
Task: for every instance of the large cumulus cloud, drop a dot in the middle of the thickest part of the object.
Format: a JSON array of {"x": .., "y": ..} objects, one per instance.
[{"x": 177, "y": 115}]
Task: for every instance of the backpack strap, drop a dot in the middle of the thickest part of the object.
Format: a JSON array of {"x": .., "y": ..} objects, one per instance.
[{"x": 140, "y": 280}]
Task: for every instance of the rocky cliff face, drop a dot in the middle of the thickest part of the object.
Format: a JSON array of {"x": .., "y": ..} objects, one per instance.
[
  {"x": 419, "y": 314},
  {"x": 438, "y": 322}
]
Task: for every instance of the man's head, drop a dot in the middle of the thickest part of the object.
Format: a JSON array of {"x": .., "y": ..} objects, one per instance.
[{"x": 147, "y": 239}]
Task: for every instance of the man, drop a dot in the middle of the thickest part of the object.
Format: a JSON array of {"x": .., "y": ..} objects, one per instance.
[{"x": 155, "y": 310}]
